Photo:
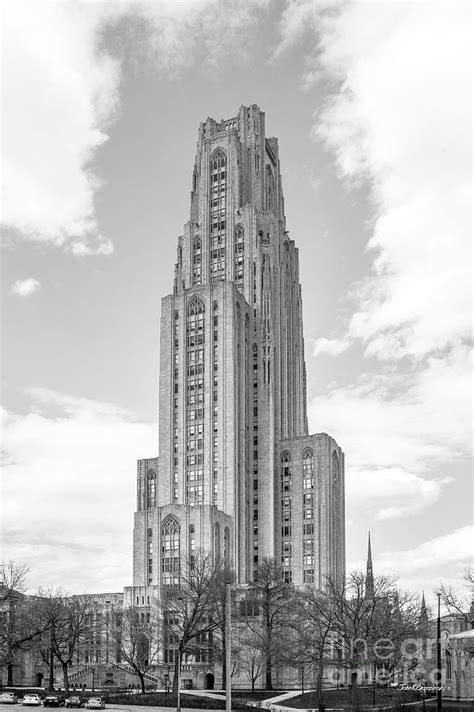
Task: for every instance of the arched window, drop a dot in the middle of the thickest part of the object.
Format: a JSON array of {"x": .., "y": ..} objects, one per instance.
[
  {"x": 195, "y": 306},
  {"x": 270, "y": 194},
  {"x": 151, "y": 488},
  {"x": 170, "y": 551},
  {"x": 217, "y": 541},
  {"x": 226, "y": 547},
  {"x": 308, "y": 469},
  {"x": 217, "y": 213},
  {"x": 239, "y": 248},
  {"x": 336, "y": 468},
  {"x": 449, "y": 665}
]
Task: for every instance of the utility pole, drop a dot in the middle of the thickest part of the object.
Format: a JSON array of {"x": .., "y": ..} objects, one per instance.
[
  {"x": 439, "y": 699},
  {"x": 228, "y": 645}
]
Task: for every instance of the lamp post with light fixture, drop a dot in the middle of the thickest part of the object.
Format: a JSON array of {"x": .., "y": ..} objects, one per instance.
[{"x": 439, "y": 697}]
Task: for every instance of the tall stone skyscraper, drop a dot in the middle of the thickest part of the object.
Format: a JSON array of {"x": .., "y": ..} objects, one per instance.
[{"x": 237, "y": 474}]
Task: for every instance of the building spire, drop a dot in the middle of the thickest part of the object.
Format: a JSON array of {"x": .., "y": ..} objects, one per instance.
[
  {"x": 424, "y": 618},
  {"x": 369, "y": 577}
]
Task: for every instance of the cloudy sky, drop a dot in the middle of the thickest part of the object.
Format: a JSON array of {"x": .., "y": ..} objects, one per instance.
[{"x": 371, "y": 104}]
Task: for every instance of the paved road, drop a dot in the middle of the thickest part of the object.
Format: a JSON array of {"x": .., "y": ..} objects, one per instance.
[{"x": 124, "y": 708}]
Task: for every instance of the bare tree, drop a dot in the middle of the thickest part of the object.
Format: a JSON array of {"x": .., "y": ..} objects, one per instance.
[
  {"x": 66, "y": 621},
  {"x": 249, "y": 657},
  {"x": 267, "y": 614},
  {"x": 370, "y": 628},
  {"x": 188, "y": 612},
  {"x": 18, "y": 625},
  {"x": 311, "y": 628},
  {"x": 218, "y": 638},
  {"x": 456, "y": 604},
  {"x": 133, "y": 633}
]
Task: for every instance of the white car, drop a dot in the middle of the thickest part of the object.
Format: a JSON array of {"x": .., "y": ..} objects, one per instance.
[
  {"x": 8, "y": 698},
  {"x": 95, "y": 703},
  {"x": 31, "y": 700}
]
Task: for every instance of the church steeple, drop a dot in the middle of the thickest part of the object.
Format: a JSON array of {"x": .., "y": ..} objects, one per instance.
[
  {"x": 369, "y": 576},
  {"x": 424, "y": 618}
]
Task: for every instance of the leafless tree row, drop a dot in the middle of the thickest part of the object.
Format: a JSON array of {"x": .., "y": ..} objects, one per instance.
[{"x": 273, "y": 624}]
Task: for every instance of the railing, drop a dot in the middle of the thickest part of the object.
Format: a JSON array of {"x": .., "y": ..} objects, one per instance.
[{"x": 80, "y": 673}]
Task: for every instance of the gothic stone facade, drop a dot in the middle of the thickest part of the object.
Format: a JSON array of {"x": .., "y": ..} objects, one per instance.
[
  {"x": 237, "y": 469},
  {"x": 238, "y": 474}
]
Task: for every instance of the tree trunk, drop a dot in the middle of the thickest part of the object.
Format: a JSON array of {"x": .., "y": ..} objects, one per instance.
[
  {"x": 253, "y": 685},
  {"x": 141, "y": 677},
  {"x": 268, "y": 673},
  {"x": 353, "y": 693},
  {"x": 51, "y": 671},
  {"x": 319, "y": 681},
  {"x": 176, "y": 673},
  {"x": 10, "y": 674},
  {"x": 65, "y": 678}
]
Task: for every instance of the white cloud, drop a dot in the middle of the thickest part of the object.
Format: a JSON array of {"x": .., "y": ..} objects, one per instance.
[
  {"x": 399, "y": 430},
  {"x": 407, "y": 492},
  {"x": 398, "y": 119},
  {"x": 25, "y": 287},
  {"x": 402, "y": 421},
  {"x": 454, "y": 547},
  {"x": 401, "y": 120},
  {"x": 68, "y": 490},
  {"x": 442, "y": 559},
  {"x": 332, "y": 347},
  {"x": 60, "y": 94}
]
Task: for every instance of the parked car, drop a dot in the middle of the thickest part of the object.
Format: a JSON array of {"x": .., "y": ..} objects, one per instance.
[
  {"x": 8, "y": 698},
  {"x": 74, "y": 701},
  {"x": 31, "y": 700},
  {"x": 53, "y": 701},
  {"x": 95, "y": 703}
]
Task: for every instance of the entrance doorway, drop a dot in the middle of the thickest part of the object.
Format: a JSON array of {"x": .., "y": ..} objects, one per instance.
[
  {"x": 209, "y": 681},
  {"x": 39, "y": 679}
]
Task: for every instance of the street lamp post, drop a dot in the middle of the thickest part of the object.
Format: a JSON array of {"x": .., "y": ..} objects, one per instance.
[
  {"x": 374, "y": 676},
  {"x": 439, "y": 700},
  {"x": 228, "y": 644},
  {"x": 178, "y": 697}
]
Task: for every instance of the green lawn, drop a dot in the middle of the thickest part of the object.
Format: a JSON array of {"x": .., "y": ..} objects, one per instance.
[{"x": 339, "y": 698}]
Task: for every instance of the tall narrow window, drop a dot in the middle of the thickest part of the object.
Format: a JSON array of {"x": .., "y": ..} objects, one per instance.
[
  {"x": 217, "y": 542},
  {"x": 286, "y": 541},
  {"x": 170, "y": 552},
  {"x": 239, "y": 249},
  {"x": 195, "y": 339},
  {"x": 270, "y": 194},
  {"x": 226, "y": 547},
  {"x": 336, "y": 520},
  {"x": 192, "y": 547},
  {"x": 197, "y": 260},
  {"x": 217, "y": 214},
  {"x": 151, "y": 488},
  {"x": 308, "y": 515}
]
